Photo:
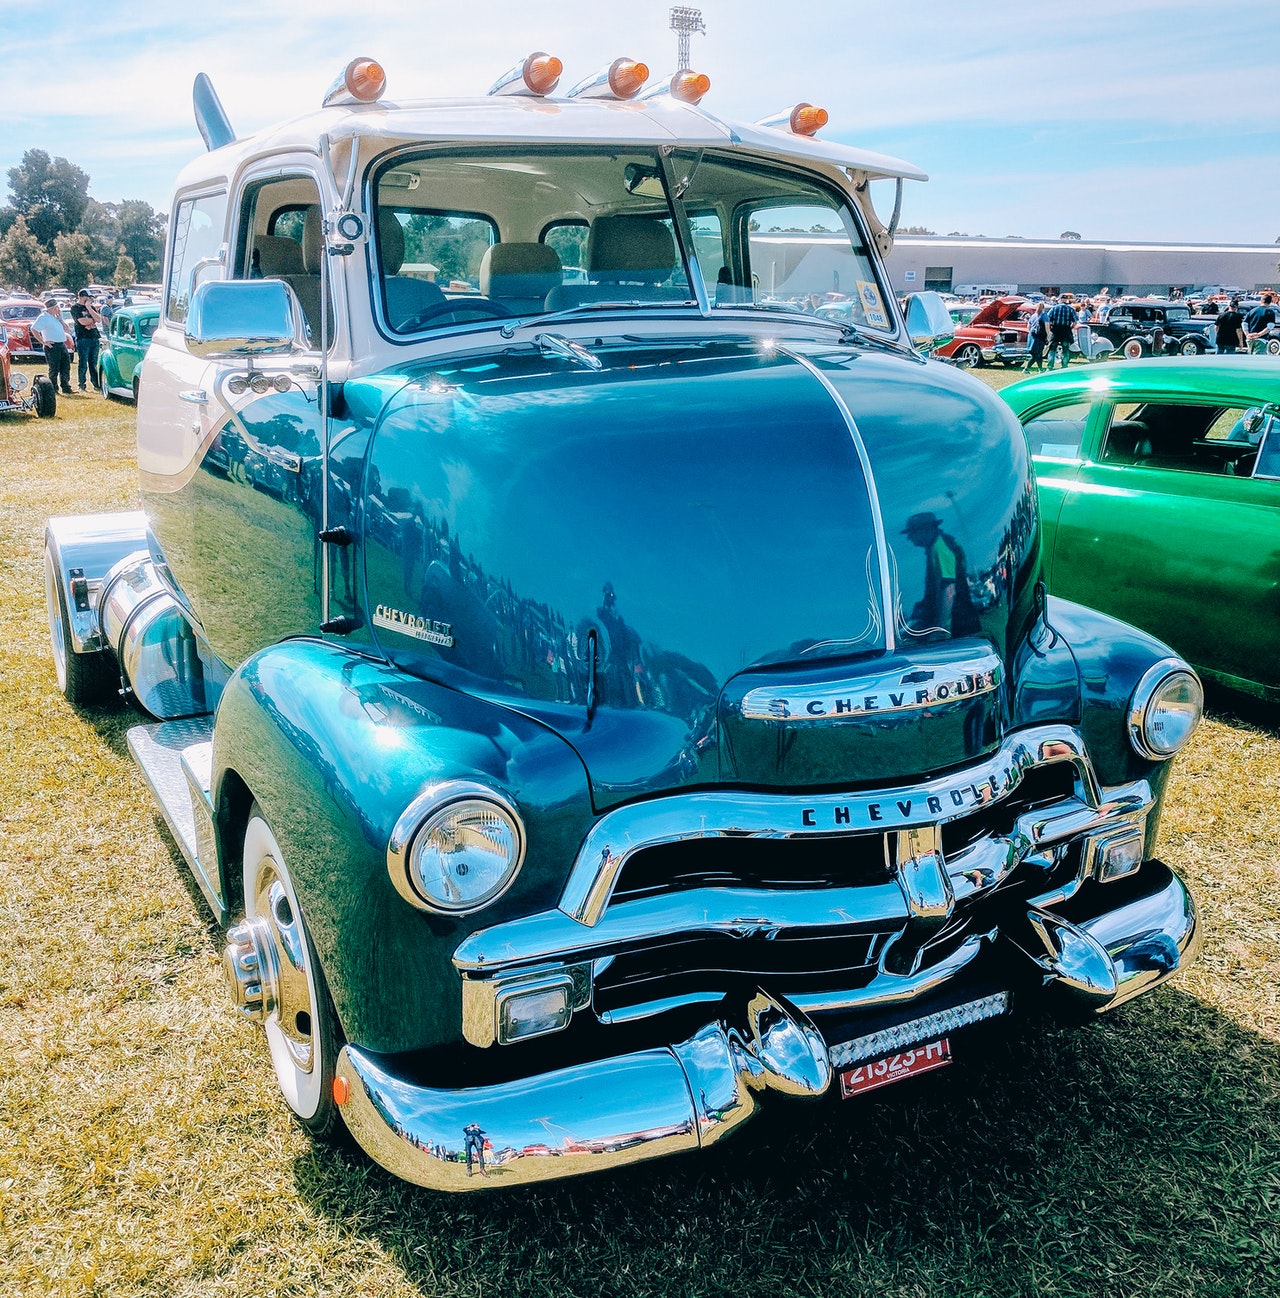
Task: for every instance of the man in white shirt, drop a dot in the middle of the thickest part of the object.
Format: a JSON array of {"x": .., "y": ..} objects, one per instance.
[{"x": 48, "y": 327}]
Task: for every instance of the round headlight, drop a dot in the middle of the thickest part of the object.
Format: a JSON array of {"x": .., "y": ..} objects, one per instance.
[
  {"x": 1165, "y": 709},
  {"x": 19, "y": 381},
  {"x": 465, "y": 845}
]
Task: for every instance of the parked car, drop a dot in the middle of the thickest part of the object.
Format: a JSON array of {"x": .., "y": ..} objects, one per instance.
[
  {"x": 1003, "y": 319},
  {"x": 594, "y": 707},
  {"x": 1159, "y": 488},
  {"x": 129, "y": 333},
  {"x": 1152, "y": 326},
  {"x": 18, "y": 392},
  {"x": 17, "y": 315}
]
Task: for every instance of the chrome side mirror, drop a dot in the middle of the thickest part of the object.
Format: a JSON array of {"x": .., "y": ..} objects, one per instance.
[
  {"x": 928, "y": 321},
  {"x": 237, "y": 319}
]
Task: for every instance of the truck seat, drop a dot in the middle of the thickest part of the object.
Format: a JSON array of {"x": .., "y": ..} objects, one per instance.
[
  {"x": 404, "y": 295},
  {"x": 519, "y": 275},
  {"x": 624, "y": 251},
  {"x": 276, "y": 257}
]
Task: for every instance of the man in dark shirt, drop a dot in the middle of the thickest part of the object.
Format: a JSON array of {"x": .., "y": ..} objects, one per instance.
[
  {"x": 1230, "y": 328},
  {"x": 1260, "y": 319},
  {"x": 85, "y": 317},
  {"x": 1062, "y": 320}
]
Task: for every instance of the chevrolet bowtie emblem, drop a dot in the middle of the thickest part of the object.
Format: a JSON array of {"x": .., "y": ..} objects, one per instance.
[{"x": 915, "y": 678}]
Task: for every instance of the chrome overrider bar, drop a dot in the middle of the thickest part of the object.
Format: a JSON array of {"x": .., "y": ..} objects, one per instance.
[{"x": 611, "y": 1112}]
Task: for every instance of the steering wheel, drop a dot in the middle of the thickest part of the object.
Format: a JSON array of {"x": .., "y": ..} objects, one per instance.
[{"x": 480, "y": 307}]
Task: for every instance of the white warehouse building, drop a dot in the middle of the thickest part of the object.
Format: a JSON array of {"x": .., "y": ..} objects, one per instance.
[{"x": 967, "y": 265}]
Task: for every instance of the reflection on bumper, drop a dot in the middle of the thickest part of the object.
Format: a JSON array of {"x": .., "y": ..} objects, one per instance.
[{"x": 606, "y": 1114}]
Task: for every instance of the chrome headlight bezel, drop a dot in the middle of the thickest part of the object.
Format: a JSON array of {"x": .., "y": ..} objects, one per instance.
[
  {"x": 1157, "y": 681},
  {"x": 424, "y": 814}
]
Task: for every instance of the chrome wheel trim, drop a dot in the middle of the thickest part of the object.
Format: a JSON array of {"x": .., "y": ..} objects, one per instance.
[
  {"x": 969, "y": 357},
  {"x": 290, "y": 1018},
  {"x": 57, "y": 626},
  {"x": 1189, "y": 348},
  {"x": 103, "y": 386},
  {"x": 1273, "y": 347},
  {"x": 1132, "y": 350}
]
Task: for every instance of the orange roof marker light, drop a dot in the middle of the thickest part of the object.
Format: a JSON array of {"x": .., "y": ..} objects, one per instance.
[
  {"x": 622, "y": 79},
  {"x": 362, "y": 81},
  {"x": 803, "y": 119},
  {"x": 538, "y": 76},
  {"x": 686, "y": 86}
]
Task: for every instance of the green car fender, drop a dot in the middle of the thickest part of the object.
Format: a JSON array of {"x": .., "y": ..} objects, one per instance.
[
  {"x": 110, "y": 371},
  {"x": 333, "y": 748}
]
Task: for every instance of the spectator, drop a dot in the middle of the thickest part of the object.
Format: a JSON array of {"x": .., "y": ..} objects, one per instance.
[
  {"x": 86, "y": 318},
  {"x": 1260, "y": 319},
  {"x": 1037, "y": 336},
  {"x": 48, "y": 327},
  {"x": 1062, "y": 320},
  {"x": 1230, "y": 329}
]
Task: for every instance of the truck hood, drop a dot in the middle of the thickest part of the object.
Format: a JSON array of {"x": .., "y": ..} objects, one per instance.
[{"x": 632, "y": 555}]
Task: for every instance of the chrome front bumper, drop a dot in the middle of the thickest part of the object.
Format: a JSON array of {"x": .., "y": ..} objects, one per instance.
[{"x": 625, "y": 1109}]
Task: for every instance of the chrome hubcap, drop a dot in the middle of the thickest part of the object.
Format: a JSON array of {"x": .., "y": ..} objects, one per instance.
[{"x": 286, "y": 991}]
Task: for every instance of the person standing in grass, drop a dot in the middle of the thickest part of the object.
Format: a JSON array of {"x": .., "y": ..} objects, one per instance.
[
  {"x": 1037, "y": 336},
  {"x": 48, "y": 327},
  {"x": 86, "y": 318},
  {"x": 1229, "y": 329},
  {"x": 1062, "y": 320}
]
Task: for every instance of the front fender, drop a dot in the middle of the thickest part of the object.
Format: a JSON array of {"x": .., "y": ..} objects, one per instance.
[{"x": 333, "y": 747}]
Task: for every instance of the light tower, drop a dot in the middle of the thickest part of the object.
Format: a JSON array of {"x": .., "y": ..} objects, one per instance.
[{"x": 684, "y": 22}]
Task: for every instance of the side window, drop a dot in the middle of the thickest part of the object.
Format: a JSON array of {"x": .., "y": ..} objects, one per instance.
[
  {"x": 568, "y": 240},
  {"x": 1268, "y": 465},
  {"x": 279, "y": 238},
  {"x": 1057, "y": 434},
  {"x": 708, "y": 240},
  {"x": 198, "y": 224},
  {"x": 1189, "y": 438}
]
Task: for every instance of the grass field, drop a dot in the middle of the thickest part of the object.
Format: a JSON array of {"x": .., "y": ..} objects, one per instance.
[{"x": 144, "y": 1149}]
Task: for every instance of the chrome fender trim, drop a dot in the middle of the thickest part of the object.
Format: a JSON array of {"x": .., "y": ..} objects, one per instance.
[{"x": 588, "y": 1118}]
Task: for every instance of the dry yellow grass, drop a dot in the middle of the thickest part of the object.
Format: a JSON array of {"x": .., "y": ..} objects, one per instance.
[{"x": 143, "y": 1149}]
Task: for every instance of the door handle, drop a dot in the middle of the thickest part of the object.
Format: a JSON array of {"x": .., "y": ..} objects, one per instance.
[{"x": 198, "y": 398}]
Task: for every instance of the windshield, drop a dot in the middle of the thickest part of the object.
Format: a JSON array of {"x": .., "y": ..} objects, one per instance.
[{"x": 501, "y": 234}]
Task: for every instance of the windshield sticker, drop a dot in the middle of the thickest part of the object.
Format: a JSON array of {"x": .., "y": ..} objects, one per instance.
[
  {"x": 411, "y": 624},
  {"x": 869, "y": 296}
]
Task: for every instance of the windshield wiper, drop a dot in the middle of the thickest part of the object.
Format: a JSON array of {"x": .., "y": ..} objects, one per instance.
[{"x": 509, "y": 327}]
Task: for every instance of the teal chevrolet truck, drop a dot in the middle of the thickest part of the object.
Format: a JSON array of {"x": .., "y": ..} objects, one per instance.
[{"x": 596, "y": 690}]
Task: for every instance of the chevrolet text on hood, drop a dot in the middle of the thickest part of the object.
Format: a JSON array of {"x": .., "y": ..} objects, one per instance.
[{"x": 595, "y": 690}]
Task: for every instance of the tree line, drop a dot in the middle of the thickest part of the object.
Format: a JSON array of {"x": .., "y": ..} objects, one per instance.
[{"x": 51, "y": 231}]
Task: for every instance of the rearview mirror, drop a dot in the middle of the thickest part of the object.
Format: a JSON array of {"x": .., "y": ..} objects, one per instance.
[{"x": 242, "y": 318}]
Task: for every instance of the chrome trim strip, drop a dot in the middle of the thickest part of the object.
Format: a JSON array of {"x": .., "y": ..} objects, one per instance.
[
  {"x": 731, "y": 912},
  {"x": 873, "y": 496},
  {"x": 727, "y": 814},
  {"x": 1140, "y": 700},
  {"x": 882, "y": 692}
]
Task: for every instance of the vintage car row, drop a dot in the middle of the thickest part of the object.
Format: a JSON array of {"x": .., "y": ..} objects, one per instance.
[
  {"x": 1152, "y": 327},
  {"x": 128, "y": 335},
  {"x": 18, "y": 392},
  {"x": 1159, "y": 488},
  {"x": 16, "y": 317},
  {"x": 596, "y": 705}
]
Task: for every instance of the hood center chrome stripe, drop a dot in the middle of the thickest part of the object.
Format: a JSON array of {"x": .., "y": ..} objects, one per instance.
[{"x": 877, "y": 519}]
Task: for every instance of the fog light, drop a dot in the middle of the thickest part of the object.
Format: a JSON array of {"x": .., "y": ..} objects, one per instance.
[
  {"x": 1118, "y": 853},
  {"x": 533, "y": 1011}
]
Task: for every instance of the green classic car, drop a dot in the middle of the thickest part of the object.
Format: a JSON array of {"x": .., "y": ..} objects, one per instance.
[
  {"x": 128, "y": 337},
  {"x": 1159, "y": 486}
]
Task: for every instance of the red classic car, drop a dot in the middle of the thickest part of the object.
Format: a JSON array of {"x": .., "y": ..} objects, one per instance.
[
  {"x": 17, "y": 392},
  {"x": 1003, "y": 321},
  {"x": 16, "y": 315}
]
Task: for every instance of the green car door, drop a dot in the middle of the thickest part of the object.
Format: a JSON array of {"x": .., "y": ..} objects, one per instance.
[{"x": 1168, "y": 523}]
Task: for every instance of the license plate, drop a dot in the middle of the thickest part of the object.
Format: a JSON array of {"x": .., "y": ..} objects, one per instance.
[{"x": 894, "y": 1068}]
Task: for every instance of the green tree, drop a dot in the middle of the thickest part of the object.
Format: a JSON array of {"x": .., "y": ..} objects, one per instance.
[
  {"x": 50, "y": 193},
  {"x": 126, "y": 272},
  {"x": 1068, "y": 234},
  {"x": 22, "y": 260},
  {"x": 142, "y": 236},
  {"x": 73, "y": 259}
]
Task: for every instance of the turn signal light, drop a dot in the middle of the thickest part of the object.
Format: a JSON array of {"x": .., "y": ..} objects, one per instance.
[
  {"x": 690, "y": 86},
  {"x": 538, "y": 75},
  {"x": 803, "y": 119},
  {"x": 362, "y": 81},
  {"x": 627, "y": 77},
  {"x": 622, "y": 79},
  {"x": 341, "y": 1091}
]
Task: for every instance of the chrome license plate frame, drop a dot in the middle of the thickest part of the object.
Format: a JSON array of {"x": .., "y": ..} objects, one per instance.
[{"x": 897, "y": 1067}]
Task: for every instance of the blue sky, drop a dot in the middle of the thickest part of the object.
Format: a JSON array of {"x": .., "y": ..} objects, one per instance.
[{"x": 1119, "y": 119}]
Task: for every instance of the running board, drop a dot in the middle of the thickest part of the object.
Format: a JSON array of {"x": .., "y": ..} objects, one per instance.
[{"x": 175, "y": 759}]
